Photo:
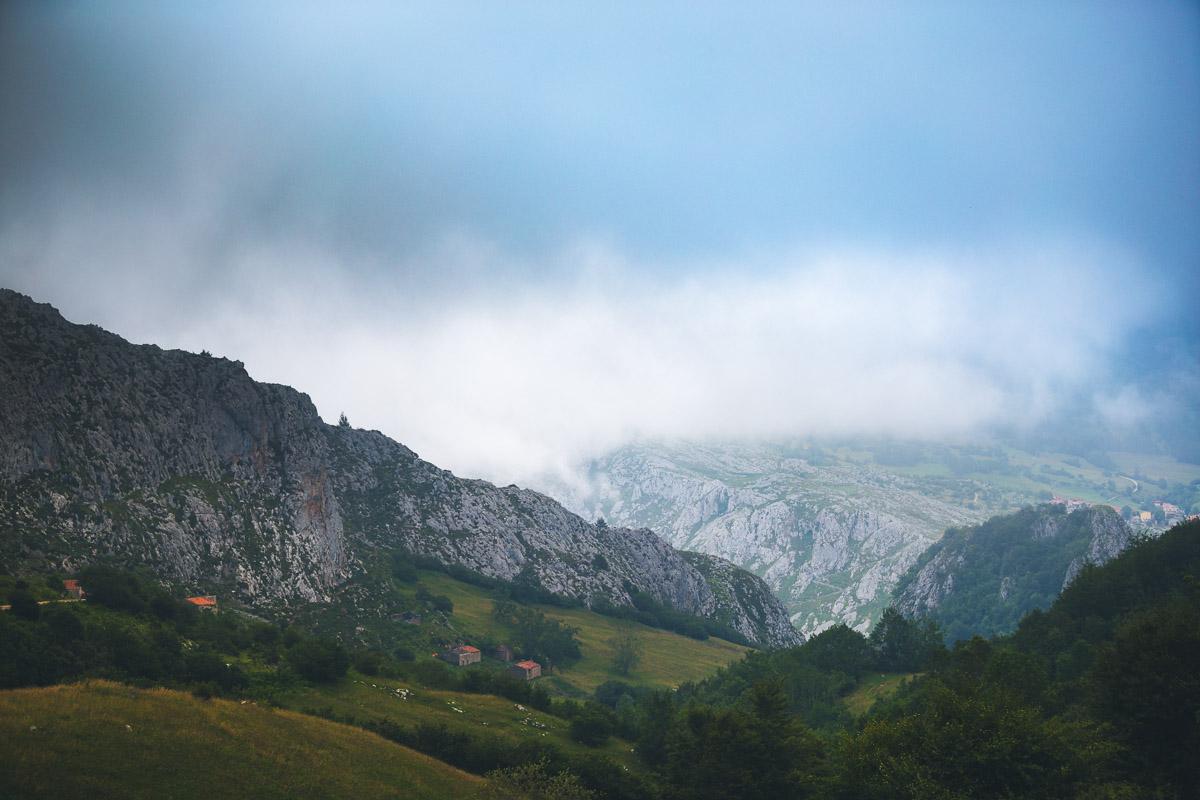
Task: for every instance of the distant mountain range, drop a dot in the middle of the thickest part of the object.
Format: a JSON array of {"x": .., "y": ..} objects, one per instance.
[
  {"x": 833, "y": 526},
  {"x": 831, "y": 539},
  {"x": 184, "y": 464}
]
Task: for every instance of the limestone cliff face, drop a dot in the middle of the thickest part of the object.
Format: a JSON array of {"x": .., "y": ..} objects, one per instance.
[
  {"x": 184, "y": 463},
  {"x": 830, "y": 540},
  {"x": 743, "y": 599},
  {"x": 166, "y": 458},
  {"x": 1109, "y": 536}
]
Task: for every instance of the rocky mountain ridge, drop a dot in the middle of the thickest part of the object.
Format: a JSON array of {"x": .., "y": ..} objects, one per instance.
[
  {"x": 830, "y": 539},
  {"x": 183, "y": 463},
  {"x": 982, "y": 579}
]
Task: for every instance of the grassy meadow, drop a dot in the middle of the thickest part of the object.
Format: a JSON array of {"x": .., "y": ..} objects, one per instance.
[
  {"x": 367, "y": 699},
  {"x": 668, "y": 659},
  {"x": 101, "y": 739},
  {"x": 874, "y": 687}
]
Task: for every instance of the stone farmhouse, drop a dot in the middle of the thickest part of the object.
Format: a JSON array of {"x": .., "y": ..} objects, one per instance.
[
  {"x": 462, "y": 655},
  {"x": 525, "y": 670}
]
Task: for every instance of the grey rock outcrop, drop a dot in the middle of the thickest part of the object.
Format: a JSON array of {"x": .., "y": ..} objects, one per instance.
[
  {"x": 830, "y": 540},
  {"x": 1110, "y": 536},
  {"x": 183, "y": 463}
]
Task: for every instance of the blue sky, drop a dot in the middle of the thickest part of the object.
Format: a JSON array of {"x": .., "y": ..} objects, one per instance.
[{"x": 440, "y": 162}]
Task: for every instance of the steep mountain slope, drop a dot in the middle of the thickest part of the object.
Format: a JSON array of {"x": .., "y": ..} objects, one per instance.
[
  {"x": 983, "y": 579},
  {"x": 830, "y": 539},
  {"x": 183, "y": 463}
]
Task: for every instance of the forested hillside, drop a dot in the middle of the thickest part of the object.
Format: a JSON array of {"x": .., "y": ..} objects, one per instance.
[
  {"x": 1096, "y": 697},
  {"x": 982, "y": 579}
]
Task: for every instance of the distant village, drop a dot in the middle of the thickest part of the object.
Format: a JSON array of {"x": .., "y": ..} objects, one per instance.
[{"x": 1171, "y": 514}]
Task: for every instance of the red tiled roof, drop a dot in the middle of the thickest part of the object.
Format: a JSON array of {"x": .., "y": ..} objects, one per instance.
[
  {"x": 71, "y": 584},
  {"x": 202, "y": 601},
  {"x": 466, "y": 648},
  {"x": 528, "y": 664}
]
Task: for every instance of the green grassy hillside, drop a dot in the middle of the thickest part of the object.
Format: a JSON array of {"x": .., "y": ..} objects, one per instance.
[
  {"x": 668, "y": 659},
  {"x": 101, "y": 739},
  {"x": 1000, "y": 570},
  {"x": 367, "y": 700},
  {"x": 875, "y": 686}
]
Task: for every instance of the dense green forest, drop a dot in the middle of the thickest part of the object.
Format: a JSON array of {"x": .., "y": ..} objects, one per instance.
[{"x": 1095, "y": 697}]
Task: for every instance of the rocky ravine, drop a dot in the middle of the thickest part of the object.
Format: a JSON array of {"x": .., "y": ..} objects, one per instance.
[
  {"x": 830, "y": 540},
  {"x": 184, "y": 463}
]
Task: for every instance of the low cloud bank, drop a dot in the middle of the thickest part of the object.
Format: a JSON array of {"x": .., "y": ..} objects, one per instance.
[
  {"x": 509, "y": 372},
  {"x": 368, "y": 207}
]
